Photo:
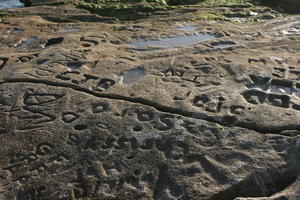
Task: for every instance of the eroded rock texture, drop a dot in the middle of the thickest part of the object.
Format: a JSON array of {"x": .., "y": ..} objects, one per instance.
[{"x": 95, "y": 110}]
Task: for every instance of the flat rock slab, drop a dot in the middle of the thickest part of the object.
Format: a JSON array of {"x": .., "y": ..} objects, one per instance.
[{"x": 84, "y": 114}]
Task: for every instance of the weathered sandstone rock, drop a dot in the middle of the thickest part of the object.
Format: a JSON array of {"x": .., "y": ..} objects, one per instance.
[{"x": 151, "y": 109}]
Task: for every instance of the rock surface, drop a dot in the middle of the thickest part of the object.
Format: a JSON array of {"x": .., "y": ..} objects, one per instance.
[{"x": 86, "y": 113}]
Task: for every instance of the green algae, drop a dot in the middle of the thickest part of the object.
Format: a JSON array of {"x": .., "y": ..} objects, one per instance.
[
  {"x": 8, "y": 14},
  {"x": 192, "y": 10},
  {"x": 122, "y": 9},
  {"x": 137, "y": 9}
]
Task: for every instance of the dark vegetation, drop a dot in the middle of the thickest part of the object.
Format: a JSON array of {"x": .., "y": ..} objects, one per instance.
[{"x": 134, "y": 9}]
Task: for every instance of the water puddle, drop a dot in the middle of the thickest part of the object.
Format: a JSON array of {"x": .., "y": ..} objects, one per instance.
[
  {"x": 281, "y": 86},
  {"x": 133, "y": 76},
  {"x": 5, "y": 4},
  {"x": 16, "y": 30},
  {"x": 278, "y": 89},
  {"x": 187, "y": 27},
  {"x": 297, "y": 92},
  {"x": 258, "y": 87},
  {"x": 277, "y": 86},
  {"x": 174, "y": 42},
  {"x": 26, "y": 42},
  {"x": 281, "y": 89},
  {"x": 259, "y": 82},
  {"x": 71, "y": 29}
]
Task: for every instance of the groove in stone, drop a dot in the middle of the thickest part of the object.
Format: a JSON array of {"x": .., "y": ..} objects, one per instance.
[{"x": 163, "y": 108}]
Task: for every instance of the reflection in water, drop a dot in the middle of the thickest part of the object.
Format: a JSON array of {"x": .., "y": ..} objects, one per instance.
[
  {"x": 27, "y": 42},
  {"x": 133, "y": 75},
  {"x": 5, "y": 4},
  {"x": 281, "y": 89},
  {"x": 173, "y": 42},
  {"x": 258, "y": 87},
  {"x": 297, "y": 92}
]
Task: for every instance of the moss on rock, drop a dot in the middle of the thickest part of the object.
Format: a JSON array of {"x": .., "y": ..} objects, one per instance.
[{"x": 135, "y": 9}]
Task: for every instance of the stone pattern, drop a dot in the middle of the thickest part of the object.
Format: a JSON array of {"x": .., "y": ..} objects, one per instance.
[{"x": 86, "y": 115}]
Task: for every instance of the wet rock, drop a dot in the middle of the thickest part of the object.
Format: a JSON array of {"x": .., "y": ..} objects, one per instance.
[
  {"x": 286, "y": 5},
  {"x": 39, "y": 2},
  {"x": 26, "y": 2}
]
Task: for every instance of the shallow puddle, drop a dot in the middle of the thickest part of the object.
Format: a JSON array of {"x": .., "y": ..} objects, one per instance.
[
  {"x": 187, "y": 27},
  {"x": 174, "y": 42},
  {"x": 5, "y": 4},
  {"x": 278, "y": 87},
  {"x": 26, "y": 42},
  {"x": 297, "y": 92},
  {"x": 281, "y": 86},
  {"x": 258, "y": 87},
  {"x": 133, "y": 76},
  {"x": 281, "y": 89},
  {"x": 71, "y": 29},
  {"x": 16, "y": 30}
]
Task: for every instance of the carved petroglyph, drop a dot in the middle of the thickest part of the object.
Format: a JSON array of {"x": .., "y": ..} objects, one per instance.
[
  {"x": 24, "y": 59},
  {"x": 43, "y": 159},
  {"x": 287, "y": 72},
  {"x": 275, "y": 92},
  {"x": 85, "y": 116},
  {"x": 210, "y": 104},
  {"x": 75, "y": 77},
  {"x": 30, "y": 111},
  {"x": 113, "y": 146}
]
